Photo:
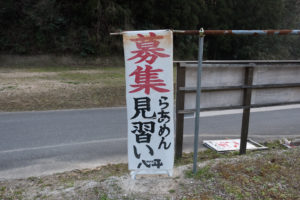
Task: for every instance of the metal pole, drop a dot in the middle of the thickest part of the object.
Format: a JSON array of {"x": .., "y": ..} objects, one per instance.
[
  {"x": 179, "y": 116},
  {"x": 233, "y": 32},
  {"x": 239, "y": 32},
  {"x": 246, "y": 111},
  {"x": 199, "y": 72}
]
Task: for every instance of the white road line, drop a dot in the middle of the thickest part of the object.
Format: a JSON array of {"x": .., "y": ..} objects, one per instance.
[
  {"x": 64, "y": 110},
  {"x": 63, "y": 145},
  {"x": 230, "y": 112},
  {"x": 238, "y": 136}
]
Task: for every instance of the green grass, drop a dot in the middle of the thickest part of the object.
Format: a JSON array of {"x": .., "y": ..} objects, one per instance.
[
  {"x": 202, "y": 173},
  {"x": 46, "y": 63},
  {"x": 187, "y": 158},
  {"x": 66, "y": 68},
  {"x": 108, "y": 77},
  {"x": 172, "y": 191},
  {"x": 104, "y": 197},
  {"x": 10, "y": 87}
]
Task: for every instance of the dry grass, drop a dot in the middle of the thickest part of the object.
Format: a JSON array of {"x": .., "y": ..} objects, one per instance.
[
  {"x": 48, "y": 89},
  {"x": 82, "y": 184},
  {"x": 270, "y": 174}
]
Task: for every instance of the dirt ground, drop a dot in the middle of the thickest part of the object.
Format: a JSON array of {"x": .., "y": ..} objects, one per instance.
[
  {"x": 48, "y": 89},
  {"x": 271, "y": 174}
]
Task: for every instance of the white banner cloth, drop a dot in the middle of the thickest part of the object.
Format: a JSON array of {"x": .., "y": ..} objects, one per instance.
[{"x": 149, "y": 98}]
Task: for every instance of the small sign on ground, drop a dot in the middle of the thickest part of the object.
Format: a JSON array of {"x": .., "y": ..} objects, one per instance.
[{"x": 231, "y": 145}]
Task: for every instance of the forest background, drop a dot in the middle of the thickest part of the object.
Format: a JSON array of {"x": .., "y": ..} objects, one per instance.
[{"x": 81, "y": 28}]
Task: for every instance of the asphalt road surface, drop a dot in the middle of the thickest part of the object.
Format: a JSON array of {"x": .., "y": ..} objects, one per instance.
[{"x": 40, "y": 143}]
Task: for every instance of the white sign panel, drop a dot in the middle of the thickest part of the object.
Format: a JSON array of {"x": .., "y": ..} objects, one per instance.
[
  {"x": 149, "y": 97},
  {"x": 231, "y": 145}
]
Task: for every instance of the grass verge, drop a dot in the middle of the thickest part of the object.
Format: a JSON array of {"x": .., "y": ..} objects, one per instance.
[{"x": 270, "y": 174}]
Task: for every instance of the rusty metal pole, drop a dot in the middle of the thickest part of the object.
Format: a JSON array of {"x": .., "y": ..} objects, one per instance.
[
  {"x": 240, "y": 32},
  {"x": 197, "y": 117}
]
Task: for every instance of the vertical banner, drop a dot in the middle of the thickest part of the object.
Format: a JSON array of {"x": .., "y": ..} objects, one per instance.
[{"x": 149, "y": 97}]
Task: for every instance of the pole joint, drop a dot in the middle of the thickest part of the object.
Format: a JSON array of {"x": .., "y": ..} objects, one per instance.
[{"x": 201, "y": 32}]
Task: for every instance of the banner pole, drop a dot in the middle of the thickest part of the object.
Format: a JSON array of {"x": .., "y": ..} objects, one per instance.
[
  {"x": 197, "y": 117},
  {"x": 232, "y": 32}
]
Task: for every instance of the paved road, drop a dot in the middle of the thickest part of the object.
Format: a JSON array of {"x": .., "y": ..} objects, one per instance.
[{"x": 38, "y": 143}]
